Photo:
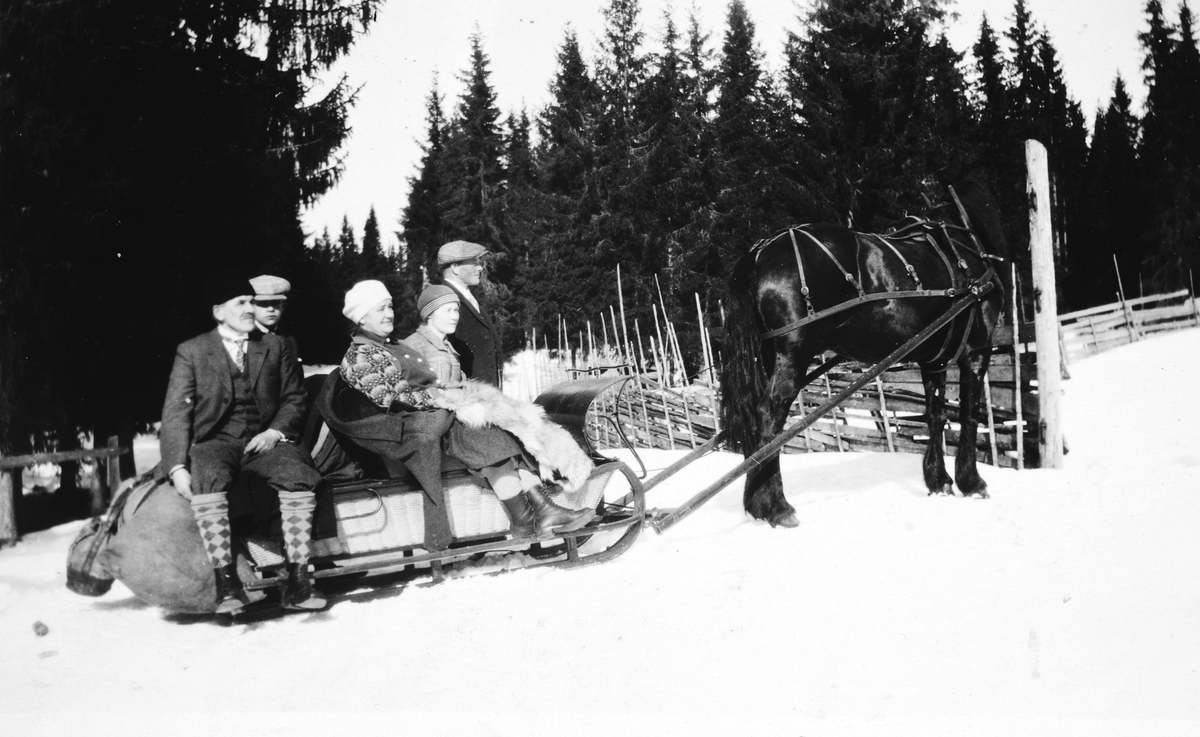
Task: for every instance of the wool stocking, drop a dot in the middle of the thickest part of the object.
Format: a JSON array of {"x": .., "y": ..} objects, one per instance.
[
  {"x": 296, "y": 512},
  {"x": 212, "y": 519}
]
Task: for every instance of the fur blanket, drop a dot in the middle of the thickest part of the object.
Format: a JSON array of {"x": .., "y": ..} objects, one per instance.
[{"x": 477, "y": 404}]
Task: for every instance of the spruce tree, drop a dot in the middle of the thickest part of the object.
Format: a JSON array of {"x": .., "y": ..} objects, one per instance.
[
  {"x": 422, "y": 229},
  {"x": 347, "y": 242},
  {"x": 1115, "y": 214},
  {"x": 146, "y": 143},
  {"x": 472, "y": 186},
  {"x": 558, "y": 271},
  {"x": 882, "y": 109},
  {"x": 1169, "y": 151}
]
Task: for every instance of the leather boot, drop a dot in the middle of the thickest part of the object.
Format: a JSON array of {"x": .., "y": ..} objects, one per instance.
[
  {"x": 553, "y": 518},
  {"x": 229, "y": 589},
  {"x": 299, "y": 593},
  {"x": 520, "y": 516}
]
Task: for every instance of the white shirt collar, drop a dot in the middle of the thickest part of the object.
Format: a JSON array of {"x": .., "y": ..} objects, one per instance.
[
  {"x": 231, "y": 334},
  {"x": 462, "y": 289}
]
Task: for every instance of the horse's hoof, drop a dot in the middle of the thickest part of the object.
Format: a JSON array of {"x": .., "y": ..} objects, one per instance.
[
  {"x": 787, "y": 520},
  {"x": 945, "y": 489},
  {"x": 979, "y": 494}
]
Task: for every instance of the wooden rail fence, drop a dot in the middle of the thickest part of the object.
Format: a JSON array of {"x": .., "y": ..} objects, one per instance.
[
  {"x": 11, "y": 490},
  {"x": 887, "y": 416},
  {"x": 1097, "y": 329}
]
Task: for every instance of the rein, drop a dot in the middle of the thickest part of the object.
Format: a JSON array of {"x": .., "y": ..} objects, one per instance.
[{"x": 977, "y": 286}]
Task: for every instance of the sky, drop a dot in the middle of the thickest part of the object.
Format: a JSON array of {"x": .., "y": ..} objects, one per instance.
[{"x": 414, "y": 40}]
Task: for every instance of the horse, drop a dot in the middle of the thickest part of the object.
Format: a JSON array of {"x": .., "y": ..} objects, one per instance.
[{"x": 822, "y": 287}]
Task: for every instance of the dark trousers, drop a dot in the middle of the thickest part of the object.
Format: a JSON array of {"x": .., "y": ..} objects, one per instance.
[{"x": 216, "y": 463}]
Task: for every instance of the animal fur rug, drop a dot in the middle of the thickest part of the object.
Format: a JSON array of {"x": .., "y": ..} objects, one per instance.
[{"x": 477, "y": 404}]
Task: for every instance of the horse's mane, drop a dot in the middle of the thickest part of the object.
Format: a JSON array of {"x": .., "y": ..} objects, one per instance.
[{"x": 979, "y": 202}]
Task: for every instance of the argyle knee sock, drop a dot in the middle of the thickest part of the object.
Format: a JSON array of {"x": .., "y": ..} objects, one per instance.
[
  {"x": 296, "y": 513},
  {"x": 212, "y": 519}
]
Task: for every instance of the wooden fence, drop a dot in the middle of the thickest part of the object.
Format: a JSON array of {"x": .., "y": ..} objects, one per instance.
[
  {"x": 11, "y": 488},
  {"x": 887, "y": 416},
  {"x": 1096, "y": 329}
]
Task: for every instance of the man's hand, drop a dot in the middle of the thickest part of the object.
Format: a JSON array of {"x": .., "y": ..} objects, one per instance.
[
  {"x": 182, "y": 479},
  {"x": 263, "y": 441}
]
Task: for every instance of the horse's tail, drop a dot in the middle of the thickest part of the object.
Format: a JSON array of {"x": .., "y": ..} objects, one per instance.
[{"x": 743, "y": 373}]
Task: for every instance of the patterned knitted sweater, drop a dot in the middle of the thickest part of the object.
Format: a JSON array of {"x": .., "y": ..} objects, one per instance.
[{"x": 389, "y": 372}]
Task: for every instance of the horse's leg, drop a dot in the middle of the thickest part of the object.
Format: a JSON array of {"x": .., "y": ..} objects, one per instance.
[
  {"x": 970, "y": 372},
  {"x": 763, "y": 497},
  {"x": 937, "y": 480}
]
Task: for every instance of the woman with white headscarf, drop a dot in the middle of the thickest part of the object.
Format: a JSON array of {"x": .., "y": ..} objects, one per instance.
[{"x": 491, "y": 434}]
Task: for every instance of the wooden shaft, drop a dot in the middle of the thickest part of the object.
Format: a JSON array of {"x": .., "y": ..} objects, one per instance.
[{"x": 678, "y": 465}]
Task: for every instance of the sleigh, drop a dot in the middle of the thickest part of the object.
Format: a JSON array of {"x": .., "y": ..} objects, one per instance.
[{"x": 370, "y": 524}]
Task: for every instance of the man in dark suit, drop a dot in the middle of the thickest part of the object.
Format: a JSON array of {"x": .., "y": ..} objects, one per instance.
[
  {"x": 235, "y": 405},
  {"x": 475, "y": 338}
]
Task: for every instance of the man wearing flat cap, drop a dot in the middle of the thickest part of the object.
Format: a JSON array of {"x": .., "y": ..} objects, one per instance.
[
  {"x": 235, "y": 404},
  {"x": 475, "y": 339}
]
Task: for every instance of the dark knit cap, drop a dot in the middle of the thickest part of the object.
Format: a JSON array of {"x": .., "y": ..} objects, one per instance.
[{"x": 226, "y": 285}]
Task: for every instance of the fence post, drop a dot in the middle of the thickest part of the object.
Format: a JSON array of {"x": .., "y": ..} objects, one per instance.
[
  {"x": 8, "y": 507},
  {"x": 1045, "y": 306},
  {"x": 1192, "y": 298},
  {"x": 1019, "y": 397},
  {"x": 1129, "y": 327}
]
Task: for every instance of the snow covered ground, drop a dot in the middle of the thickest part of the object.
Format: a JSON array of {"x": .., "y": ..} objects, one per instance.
[{"x": 1068, "y": 603}]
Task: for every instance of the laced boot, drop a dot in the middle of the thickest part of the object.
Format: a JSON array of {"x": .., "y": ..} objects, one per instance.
[
  {"x": 229, "y": 588},
  {"x": 523, "y": 523},
  {"x": 298, "y": 592},
  {"x": 554, "y": 518}
]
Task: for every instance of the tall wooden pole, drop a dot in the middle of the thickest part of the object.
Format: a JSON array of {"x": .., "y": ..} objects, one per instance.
[
  {"x": 8, "y": 507},
  {"x": 1045, "y": 307}
]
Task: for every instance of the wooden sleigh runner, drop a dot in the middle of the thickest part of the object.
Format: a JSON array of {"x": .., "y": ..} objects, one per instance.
[{"x": 371, "y": 524}]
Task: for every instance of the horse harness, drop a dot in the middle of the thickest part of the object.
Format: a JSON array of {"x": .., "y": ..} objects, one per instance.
[{"x": 938, "y": 237}]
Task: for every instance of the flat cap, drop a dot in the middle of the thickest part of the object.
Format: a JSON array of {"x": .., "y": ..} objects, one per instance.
[
  {"x": 457, "y": 251},
  {"x": 271, "y": 286}
]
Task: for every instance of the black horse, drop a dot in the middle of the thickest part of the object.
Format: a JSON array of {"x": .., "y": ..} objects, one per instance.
[{"x": 817, "y": 288}]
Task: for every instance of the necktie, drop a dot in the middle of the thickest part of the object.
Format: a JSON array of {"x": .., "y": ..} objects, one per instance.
[{"x": 240, "y": 355}]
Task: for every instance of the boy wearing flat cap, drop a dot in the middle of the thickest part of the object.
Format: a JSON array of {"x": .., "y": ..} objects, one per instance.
[
  {"x": 270, "y": 301},
  {"x": 235, "y": 404},
  {"x": 475, "y": 339}
]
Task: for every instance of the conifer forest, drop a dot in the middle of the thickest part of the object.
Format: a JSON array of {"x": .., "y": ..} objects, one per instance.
[{"x": 141, "y": 142}]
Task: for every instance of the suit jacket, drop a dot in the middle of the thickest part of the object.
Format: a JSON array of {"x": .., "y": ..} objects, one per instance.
[
  {"x": 477, "y": 343},
  {"x": 200, "y": 392}
]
